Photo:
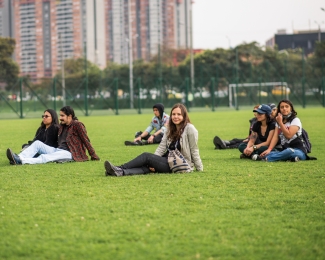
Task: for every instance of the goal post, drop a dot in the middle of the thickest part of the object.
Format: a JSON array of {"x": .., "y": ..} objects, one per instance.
[{"x": 278, "y": 88}]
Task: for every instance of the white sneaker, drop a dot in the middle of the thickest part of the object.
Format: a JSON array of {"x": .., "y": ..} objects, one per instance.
[{"x": 256, "y": 157}]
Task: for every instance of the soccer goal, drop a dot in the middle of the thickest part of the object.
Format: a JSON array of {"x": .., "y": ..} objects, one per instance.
[{"x": 278, "y": 89}]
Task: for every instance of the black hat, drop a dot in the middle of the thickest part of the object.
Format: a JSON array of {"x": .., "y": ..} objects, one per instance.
[{"x": 160, "y": 108}]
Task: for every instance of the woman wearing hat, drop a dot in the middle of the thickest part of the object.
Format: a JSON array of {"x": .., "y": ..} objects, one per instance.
[
  {"x": 261, "y": 136},
  {"x": 289, "y": 128}
]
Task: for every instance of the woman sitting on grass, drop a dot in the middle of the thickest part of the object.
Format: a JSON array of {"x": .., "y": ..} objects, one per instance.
[
  {"x": 47, "y": 133},
  {"x": 179, "y": 131},
  {"x": 261, "y": 135},
  {"x": 289, "y": 128}
]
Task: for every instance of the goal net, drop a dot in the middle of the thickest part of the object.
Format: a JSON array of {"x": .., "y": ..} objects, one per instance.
[{"x": 262, "y": 89}]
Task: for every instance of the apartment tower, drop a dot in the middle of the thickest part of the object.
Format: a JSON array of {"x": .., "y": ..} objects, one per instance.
[
  {"x": 47, "y": 31},
  {"x": 154, "y": 24}
]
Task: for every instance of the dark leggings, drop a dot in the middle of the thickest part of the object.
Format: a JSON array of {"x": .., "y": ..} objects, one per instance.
[
  {"x": 156, "y": 140},
  {"x": 260, "y": 150},
  {"x": 141, "y": 164}
]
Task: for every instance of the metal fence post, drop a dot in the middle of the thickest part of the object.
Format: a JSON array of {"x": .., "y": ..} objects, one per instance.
[
  {"x": 54, "y": 93},
  {"x": 116, "y": 95},
  {"x": 21, "y": 97},
  {"x": 86, "y": 82},
  {"x": 186, "y": 94},
  {"x": 237, "y": 78},
  {"x": 323, "y": 84},
  {"x": 139, "y": 96},
  {"x": 212, "y": 93},
  {"x": 303, "y": 80}
]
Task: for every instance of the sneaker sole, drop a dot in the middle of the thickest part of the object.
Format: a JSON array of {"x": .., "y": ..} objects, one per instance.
[
  {"x": 10, "y": 157},
  {"x": 129, "y": 143},
  {"x": 108, "y": 168},
  {"x": 219, "y": 142}
]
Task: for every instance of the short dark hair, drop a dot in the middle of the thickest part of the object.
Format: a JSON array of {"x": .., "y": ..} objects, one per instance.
[{"x": 69, "y": 112}]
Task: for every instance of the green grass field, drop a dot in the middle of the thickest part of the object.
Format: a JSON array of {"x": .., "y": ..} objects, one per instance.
[{"x": 235, "y": 209}]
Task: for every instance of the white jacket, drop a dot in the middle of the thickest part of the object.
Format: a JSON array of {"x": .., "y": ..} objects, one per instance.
[{"x": 189, "y": 147}]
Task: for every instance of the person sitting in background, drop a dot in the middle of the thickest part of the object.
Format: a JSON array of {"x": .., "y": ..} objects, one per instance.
[
  {"x": 274, "y": 110},
  {"x": 158, "y": 123},
  {"x": 234, "y": 143},
  {"x": 72, "y": 144},
  {"x": 47, "y": 133},
  {"x": 180, "y": 133},
  {"x": 262, "y": 133},
  {"x": 289, "y": 128}
]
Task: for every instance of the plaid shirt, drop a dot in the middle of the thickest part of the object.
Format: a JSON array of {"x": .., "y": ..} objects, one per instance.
[{"x": 78, "y": 142}]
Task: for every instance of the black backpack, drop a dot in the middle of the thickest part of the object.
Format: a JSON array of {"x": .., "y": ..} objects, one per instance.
[{"x": 304, "y": 138}]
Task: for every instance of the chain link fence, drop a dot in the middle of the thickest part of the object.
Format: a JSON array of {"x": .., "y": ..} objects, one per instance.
[{"x": 214, "y": 87}]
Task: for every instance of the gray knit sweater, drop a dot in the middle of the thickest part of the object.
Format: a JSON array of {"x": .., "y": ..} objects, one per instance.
[{"x": 189, "y": 147}]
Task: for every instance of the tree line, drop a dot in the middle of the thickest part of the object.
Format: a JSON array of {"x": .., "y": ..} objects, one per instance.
[{"x": 248, "y": 62}]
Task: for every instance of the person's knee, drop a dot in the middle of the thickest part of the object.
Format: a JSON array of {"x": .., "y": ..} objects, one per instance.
[
  {"x": 242, "y": 147},
  {"x": 37, "y": 142}
]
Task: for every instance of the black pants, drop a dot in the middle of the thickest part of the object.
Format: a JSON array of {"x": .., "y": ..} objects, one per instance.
[
  {"x": 141, "y": 164},
  {"x": 234, "y": 143},
  {"x": 156, "y": 140}
]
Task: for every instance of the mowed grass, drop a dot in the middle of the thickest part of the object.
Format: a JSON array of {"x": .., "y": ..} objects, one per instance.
[{"x": 235, "y": 209}]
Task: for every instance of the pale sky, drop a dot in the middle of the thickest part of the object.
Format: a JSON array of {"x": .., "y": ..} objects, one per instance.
[{"x": 220, "y": 24}]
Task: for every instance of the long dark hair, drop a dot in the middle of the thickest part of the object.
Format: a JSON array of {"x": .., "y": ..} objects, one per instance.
[
  {"x": 293, "y": 111},
  {"x": 54, "y": 115},
  {"x": 174, "y": 133},
  {"x": 268, "y": 118},
  {"x": 67, "y": 110}
]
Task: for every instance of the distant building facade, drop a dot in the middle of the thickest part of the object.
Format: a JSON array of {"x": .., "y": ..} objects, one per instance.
[
  {"x": 47, "y": 31},
  {"x": 299, "y": 39},
  {"x": 155, "y": 23}
]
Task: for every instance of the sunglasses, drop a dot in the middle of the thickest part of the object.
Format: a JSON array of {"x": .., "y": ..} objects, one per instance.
[{"x": 45, "y": 116}]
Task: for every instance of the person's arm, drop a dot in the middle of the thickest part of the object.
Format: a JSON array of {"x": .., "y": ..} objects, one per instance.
[
  {"x": 273, "y": 143},
  {"x": 143, "y": 135},
  {"x": 85, "y": 140},
  {"x": 162, "y": 147},
  {"x": 192, "y": 137},
  {"x": 287, "y": 132},
  {"x": 249, "y": 148}
]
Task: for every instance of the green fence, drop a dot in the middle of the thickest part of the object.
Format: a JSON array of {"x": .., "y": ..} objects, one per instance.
[{"x": 235, "y": 85}]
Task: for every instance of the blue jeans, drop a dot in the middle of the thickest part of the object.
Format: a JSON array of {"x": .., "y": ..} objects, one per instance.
[
  {"x": 285, "y": 155},
  {"x": 47, "y": 154}
]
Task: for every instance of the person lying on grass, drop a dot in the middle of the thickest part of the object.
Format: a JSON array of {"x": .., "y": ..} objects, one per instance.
[
  {"x": 261, "y": 136},
  {"x": 235, "y": 142},
  {"x": 72, "y": 144},
  {"x": 181, "y": 132},
  {"x": 289, "y": 127},
  {"x": 158, "y": 123}
]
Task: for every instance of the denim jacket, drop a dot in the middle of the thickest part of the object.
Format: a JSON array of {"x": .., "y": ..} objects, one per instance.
[{"x": 158, "y": 124}]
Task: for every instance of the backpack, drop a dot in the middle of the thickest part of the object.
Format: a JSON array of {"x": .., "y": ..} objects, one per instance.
[{"x": 304, "y": 138}]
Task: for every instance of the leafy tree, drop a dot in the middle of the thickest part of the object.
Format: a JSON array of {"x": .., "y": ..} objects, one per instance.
[{"x": 9, "y": 69}]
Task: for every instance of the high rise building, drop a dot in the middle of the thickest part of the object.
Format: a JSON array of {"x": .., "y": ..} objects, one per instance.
[
  {"x": 305, "y": 40},
  {"x": 6, "y": 19},
  {"x": 47, "y": 31},
  {"x": 155, "y": 24}
]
